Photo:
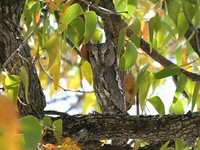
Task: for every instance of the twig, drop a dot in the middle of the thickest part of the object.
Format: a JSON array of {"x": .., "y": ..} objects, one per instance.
[
  {"x": 66, "y": 90},
  {"x": 193, "y": 28},
  {"x": 99, "y": 9}
]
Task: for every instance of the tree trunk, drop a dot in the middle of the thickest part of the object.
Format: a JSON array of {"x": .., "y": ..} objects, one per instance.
[{"x": 10, "y": 40}]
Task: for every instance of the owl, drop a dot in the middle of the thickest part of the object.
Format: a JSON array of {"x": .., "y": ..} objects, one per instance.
[{"x": 106, "y": 77}]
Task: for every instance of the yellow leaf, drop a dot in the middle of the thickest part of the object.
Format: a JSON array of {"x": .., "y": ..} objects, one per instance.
[
  {"x": 9, "y": 137},
  {"x": 86, "y": 70},
  {"x": 68, "y": 143},
  {"x": 55, "y": 70},
  {"x": 52, "y": 47},
  {"x": 74, "y": 82},
  {"x": 90, "y": 102}
]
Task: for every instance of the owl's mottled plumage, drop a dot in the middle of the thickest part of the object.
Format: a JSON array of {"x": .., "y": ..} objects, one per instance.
[{"x": 107, "y": 81}]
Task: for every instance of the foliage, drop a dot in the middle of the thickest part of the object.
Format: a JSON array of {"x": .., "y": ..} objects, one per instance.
[{"x": 66, "y": 27}]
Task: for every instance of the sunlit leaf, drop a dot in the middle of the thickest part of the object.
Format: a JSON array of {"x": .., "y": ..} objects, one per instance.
[
  {"x": 86, "y": 70},
  {"x": 90, "y": 102},
  {"x": 74, "y": 81},
  {"x": 120, "y": 43},
  {"x": 90, "y": 24},
  {"x": 144, "y": 88},
  {"x": 168, "y": 71},
  {"x": 158, "y": 104},
  {"x": 179, "y": 144},
  {"x": 129, "y": 57},
  {"x": 195, "y": 95},
  {"x": 97, "y": 36},
  {"x": 24, "y": 78},
  {"x": 135, "y": 26},
  {"x": 182, "y": 24},
  {"x": 12, "y": 83},
  {"x": 164, "y": 147},
  {"x": 160, "y": 36},
  {"x": 58, "y": 125},
  {"x": 75, "y": 30},
  {"x": 180, "y": 86},
  {"x": 177, "y": 107},
  {"x": 46, "y": 121},
  {"x": 59, "y": 128},
  {"x": 55, "y": 70},
  {"x": 52, "y": 47},
  {"x": 140, "y": 77},
  {"x": 174, "y": 11},
  {"x": 131, "y": 5},
  {"x": 31, "y": 130},
  {"x": 9, "y": 136},
  {"x": 70, "y": 13}
]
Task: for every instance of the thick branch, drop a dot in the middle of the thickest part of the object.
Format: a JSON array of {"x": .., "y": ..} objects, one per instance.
[{"x": 149, "y": 128}]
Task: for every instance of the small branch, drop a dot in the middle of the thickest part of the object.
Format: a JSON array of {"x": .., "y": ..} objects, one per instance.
[
  {"x": 64, "y": 89},
  {"x": 193, "y": 28}
]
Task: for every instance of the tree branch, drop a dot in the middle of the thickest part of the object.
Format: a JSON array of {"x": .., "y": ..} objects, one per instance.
[
  {"x": 119, "y": 24},
  {"x": 152, "y": 129}
]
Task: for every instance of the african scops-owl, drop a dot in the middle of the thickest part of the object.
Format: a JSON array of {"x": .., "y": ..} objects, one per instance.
[{"x": 106, "y": 77}]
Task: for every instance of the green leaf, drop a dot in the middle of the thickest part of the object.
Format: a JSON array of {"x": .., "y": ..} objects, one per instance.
[
  {"x": 75, "y": 31},
  {"x": 182, "y": 24},
  {"x": 177, "y": 107},
  {"x": 179, "y": 144},
  {"x": 25, "y": 80},
  {"x": 86, "y": 70},
  {"x": 59, "y": 128},
  {"x": 58, "y": 125},
  {"x": 52, "y": 47},
  {"x": 160, "y": 36},
  {"x": 180, "y": 86},
  {"x": 173, "y": 10},
  {"x": 135, "y": 26},
  {"x": 12, "y": 83},
  {"x": 46, "y": 121},
  {"x": 32, "y": 131},
  {"x": 70, "y": 14},
  {"x": 90, "y": 24},
  {"x": 135, "y": 39},
  {"x": 131, "y": 5},
  {"x": 168, "y": 71},
  {"x": 97, "y": 36},
  {"x": 158, "y": 104},
  {"x": 140, "y": 77},
  {"x": 195, "y": 95},
  {"x": 120, "y": 43},
  {"x": 164, "y": 147},
  {"x": 144, "y": 88},
  {"x": 129, "y": 57}
]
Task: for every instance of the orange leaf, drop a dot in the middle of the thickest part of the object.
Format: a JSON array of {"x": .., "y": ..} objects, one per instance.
[
  {"x": 129, "y": 86},
  {"x": 9, "y": 138},
  {"x": 37, "y": 17},
  {"x": 146, "y": 31},
  {"x": 68, "y": 143}
]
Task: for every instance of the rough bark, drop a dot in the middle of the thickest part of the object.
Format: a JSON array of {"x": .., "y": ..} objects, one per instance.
[
  {"x": 10, "y": 40},
  {"x": 153, "y": 129}
]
